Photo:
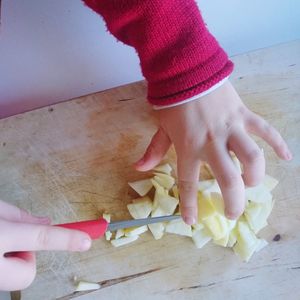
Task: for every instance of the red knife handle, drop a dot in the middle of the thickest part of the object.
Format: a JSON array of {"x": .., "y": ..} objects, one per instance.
[{"x": 94, "y": 228}]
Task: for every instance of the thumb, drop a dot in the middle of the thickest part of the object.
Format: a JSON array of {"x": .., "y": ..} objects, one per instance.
[
  {"x": 155, "y": 152},
  {"x": 34, "y": 237}
]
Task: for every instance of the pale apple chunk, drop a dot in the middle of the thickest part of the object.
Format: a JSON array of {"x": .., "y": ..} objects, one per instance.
[
  {"x": 270, "y": 182},
  {"x": 165, "y": 168},
  {"x": 87, "y": 286},
  {"x": 140, "y": 208},
  {"x": 142, "y": 187},
  {"x": 259, "y": 193},
  {"x": 135, "y": 230},
  {"x": 167, "y": 203},
  {"x": 179, "y": 227},
  {"x": 119, "y": 233},
  {"x": 157, "y": 230},
  {"x": 164, "y": 180},
  {"x": 124, "y": 240},
  {"x": 200, "y": 237},
  {"x": 108, "y": 235},
  {"x": 246, "y": 243}
]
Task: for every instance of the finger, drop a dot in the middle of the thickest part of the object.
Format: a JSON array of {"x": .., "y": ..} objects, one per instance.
[
  {"x": 250, "y": 156},
  {"x": 17, "y": 273},
  {"x": 188, "y": 177},
  {"x": 229, "y": 179},
  {"x": 258, "y": 126},
  {"x": 12, "y": 213},
  {"x": 155, "y": 152},
  {"x": 32, "y": 237}
]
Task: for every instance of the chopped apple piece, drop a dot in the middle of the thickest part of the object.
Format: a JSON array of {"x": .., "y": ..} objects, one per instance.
[
  {"x": 142, "y": 187},
  {"x": 223, "y": 241},
  {"x": 270, "y": 182},
  {"x": 87, "y": 286},
  {"x": 140, "y": 208},
  {"x": 205, "y": 207},
  {"x": 175, "y": 191},
  {"x": 164, "y": 180},
  {"x": 158, "y": 212},
  {"x": 237, "y": 164},
  {"x": 124, "y": 240},
  {"x": 135, "y": 230},
  {"x": 157, "y": 229},
  {"x": 205, "y": 184},
  {"x": 108, "y": 235},
  {"x": 119, "y": 233},
  {"x": 206, "y": 172},
  {"x": 261, "y": 244},
  {"x": 197, "y": 226},
  {"x": 246, "y": 243},
  {"x": 232, "y": 237},
  {"x": 179, "y": 227},
  {"x": 106, "y": 217},
  {"x": 218, "y": 202},
  {"x": 200, "y": 237},
  {"x": 165, "y": 168},
  {"x": 159, "y": 192},
  {"x": 167, "y": 203},
  {"x": 217, "y": 225},
  {"x": 257, "y": 214},
  {"x": 259, "y": 193}
]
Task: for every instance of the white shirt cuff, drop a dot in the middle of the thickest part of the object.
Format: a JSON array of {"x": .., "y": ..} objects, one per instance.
[{"x": 214, "y": 87}]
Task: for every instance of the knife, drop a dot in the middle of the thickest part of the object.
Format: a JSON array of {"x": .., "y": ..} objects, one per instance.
[{"x": 97, "y": 228}]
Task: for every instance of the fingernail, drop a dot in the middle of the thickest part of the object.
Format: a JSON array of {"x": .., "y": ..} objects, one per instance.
[
  {"x": 190, "y": 220},
  {"x": 140, "y": 162},
  {"x": 288, "y": 155},
  {"x": 85, "y": 245},
  {"x": 231, "y": 215}
]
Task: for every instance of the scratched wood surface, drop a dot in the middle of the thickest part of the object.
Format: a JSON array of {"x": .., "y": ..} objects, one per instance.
[{"x": 72, "y": 161}]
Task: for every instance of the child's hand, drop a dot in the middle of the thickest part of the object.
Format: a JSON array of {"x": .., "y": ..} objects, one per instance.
[
  {"x": 205, "y": 130},
  {"x": 21, "y": 233}
]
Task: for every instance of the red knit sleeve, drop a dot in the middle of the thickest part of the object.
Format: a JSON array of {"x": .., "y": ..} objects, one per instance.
[{"x": 178, "y": 55}]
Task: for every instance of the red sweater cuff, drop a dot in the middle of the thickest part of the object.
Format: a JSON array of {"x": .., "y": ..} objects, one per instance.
[{"x": 178, "y": 55}]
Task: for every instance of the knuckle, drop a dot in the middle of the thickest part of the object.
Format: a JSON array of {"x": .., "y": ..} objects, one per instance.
[
  {"x": 211, "y": 135},
  {"x": 190, "y": 142},
  {"x": 268, "y": 129},
  {"x": 243, "y": 110},
  {"x": 253, "y": 156},
  {"x": 187, "y": 186}
]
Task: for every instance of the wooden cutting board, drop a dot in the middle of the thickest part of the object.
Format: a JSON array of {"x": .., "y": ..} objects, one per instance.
[{"x": 72, "y": 161}]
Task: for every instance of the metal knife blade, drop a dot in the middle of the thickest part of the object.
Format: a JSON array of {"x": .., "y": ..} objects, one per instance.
[{"x": 113, "y": 226}]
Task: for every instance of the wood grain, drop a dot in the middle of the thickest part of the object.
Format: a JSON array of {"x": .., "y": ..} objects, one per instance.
[{"x": 72, "y": 161}]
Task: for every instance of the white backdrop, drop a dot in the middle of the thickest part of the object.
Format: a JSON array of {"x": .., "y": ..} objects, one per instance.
[{"x": 54, "y": 50}]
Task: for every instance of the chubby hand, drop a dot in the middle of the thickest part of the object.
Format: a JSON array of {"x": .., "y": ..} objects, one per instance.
[
  {"x": 205, "y": 130},
  {"x": 20, "y": 235}
]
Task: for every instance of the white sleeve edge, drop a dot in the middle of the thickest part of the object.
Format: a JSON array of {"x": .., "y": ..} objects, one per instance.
[{"x": 211, "y": 89}]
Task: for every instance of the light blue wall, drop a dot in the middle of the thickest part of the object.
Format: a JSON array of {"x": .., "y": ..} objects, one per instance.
[
  {"x": 242, "y": 26},
  {"x": 53, "y": 50}
]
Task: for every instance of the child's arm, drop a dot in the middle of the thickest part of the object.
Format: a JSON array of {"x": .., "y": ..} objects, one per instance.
[
  {"x": 201, "y": 113},
  {"x": 179, "y": 57}
]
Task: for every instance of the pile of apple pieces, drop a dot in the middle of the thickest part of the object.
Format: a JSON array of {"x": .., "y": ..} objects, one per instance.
[{"x": 212, "y": 224}]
